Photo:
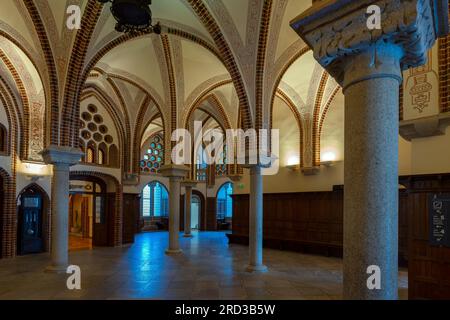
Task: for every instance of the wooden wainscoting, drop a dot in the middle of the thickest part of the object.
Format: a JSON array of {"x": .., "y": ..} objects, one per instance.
[
  {"x": 309, "y": 222},
  {"x": 131, "y": 212},
  {"x": 429, "y": 266}
]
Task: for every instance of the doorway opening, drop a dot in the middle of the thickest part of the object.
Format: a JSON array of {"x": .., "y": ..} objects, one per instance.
[
  {"x": 87, "y": 223},
  {"x": 196, "y": 203},
  {"x": 224, "y": 213},
  {"x": 32, "y": 203}
]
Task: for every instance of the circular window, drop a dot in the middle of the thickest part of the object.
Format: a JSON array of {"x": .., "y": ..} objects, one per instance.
[
  {"x": 86, "y": 116},
  {"x": 103, "y": 129},
  {"x": 92, "y": 109},
  {"x": 98, "y": 118},
  {"x": 92, "y": 126},
  {"x": 109, "y": 139},
  {"x": 152, "y": 145},
  {"x": 86, "y": 134},
  {"x": 98, "y": 137}
]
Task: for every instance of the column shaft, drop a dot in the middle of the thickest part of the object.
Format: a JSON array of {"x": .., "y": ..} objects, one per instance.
[
  {"x": 174, "y": 215},
  {"x": 60, "y": 219},
  {"x": 371, "y": 183},
  {"x": 256, "y": 221}
]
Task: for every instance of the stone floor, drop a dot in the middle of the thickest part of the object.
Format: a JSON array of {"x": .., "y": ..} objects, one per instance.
[{"x": 209, "y": 268}]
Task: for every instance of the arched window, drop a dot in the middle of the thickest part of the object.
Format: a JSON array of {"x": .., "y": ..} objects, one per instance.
[
  {"x": 155, "y": 201},
  {"x": 221, "y": 167},
  {"x": 102, "y": 154},
  {"x": 114, "y": 156},
  {"x": 3, "y": 138},
  {"x": 225, "y": 202},
  {"x": 201, "y": 165},
  {"x": 90, "y": 155},
  {"x": 153, "y": 157}
]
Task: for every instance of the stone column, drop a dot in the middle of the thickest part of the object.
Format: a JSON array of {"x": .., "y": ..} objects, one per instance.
[
  {"x": 368, "y": 65},
  {"x": 256, "y": 221},
  {"x": 61, "y": 158},
  {"x": 188, "y": 185},
  {"x": 175, "y": 173}
]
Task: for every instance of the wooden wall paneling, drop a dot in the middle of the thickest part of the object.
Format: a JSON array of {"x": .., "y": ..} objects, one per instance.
[{"x": 132, "y": 204}]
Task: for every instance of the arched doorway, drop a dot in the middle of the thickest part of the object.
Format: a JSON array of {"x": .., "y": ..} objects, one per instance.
[
  {"x": 224, "y": 207},
  {"x": 88, "y": 224},
  {"x": 32, "y": 202},
  {"x": 196, "y": 203},
  {"x": 155, "y": 207}
]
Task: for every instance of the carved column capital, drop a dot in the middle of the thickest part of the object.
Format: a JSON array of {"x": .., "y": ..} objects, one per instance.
[
  {"x": 337, "y": 30},
  {"x": 61, "y": 156}
]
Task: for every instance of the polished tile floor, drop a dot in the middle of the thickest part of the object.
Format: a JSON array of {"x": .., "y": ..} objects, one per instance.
[{"x": 209, "y": 268}]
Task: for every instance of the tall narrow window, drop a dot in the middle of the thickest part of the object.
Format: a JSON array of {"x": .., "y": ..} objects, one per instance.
[
  {"x": 225, "y": 202},
  {"x": 155, "y": 201},
  {"x": 90, "y": 155},
  {"x": 101, "y": 157}
]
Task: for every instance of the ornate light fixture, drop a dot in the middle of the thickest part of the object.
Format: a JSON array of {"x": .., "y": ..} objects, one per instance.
[{"x": 133, "y": 16}]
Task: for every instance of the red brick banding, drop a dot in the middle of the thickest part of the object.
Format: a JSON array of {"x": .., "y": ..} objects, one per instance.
[
  {"x": 52, "y": 103},
  {"x": 213, "y": 28}
]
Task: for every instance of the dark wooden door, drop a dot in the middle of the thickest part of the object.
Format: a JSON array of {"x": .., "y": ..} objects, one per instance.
[
  {"x": 30, "y": 224},
  {"x": 100, "y": 236}
]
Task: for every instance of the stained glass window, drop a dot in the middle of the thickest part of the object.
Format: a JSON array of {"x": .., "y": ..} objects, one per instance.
[{"x": 154, "y": 156}]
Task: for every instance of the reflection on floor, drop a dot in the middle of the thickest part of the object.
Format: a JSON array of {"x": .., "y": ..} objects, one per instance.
[
  {"x": 79, "y": 243},
  {"x": 208, "y": 269}
]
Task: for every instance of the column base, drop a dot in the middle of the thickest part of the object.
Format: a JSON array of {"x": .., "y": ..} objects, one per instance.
[
  {"x": 260, "y": 268},
  {"x": 56, "y": 269},
  {"x": 173, "y": 251},
  {"x": 188, "y": 235}
]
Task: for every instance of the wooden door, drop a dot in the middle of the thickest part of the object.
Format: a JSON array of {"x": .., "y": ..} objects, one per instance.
[
  {"x": 30, "y": 238},
  {"x": 100, "y": 232}
]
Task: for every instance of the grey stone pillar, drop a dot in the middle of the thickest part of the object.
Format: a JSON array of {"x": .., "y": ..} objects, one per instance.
[
  {"x": 188, "y": 185},
  {"x": 61, "y": 158},
  {"x": 368, "y": 65},
  {"x": 256, "y": 221},
  {"x": 175, "y": 173}
]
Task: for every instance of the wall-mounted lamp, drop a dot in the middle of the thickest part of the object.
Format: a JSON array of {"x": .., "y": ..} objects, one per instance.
[
  {"x": 328, "y": 159},
  {"x": 34, "y": 170},
  {"x": 293, "y": 163}
]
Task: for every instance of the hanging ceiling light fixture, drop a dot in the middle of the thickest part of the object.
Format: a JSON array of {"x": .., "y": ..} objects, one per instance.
[{"x": 133, "y": 16}]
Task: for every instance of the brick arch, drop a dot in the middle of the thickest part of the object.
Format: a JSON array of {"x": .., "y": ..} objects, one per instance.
[
  {"x": 325, "y": 113},
  {"x": 202, "y": 98},
  {"x": 117, "y": 220},
  {"x": 283, "y": 70},
  {"x": 93, "y": 91},
  {"x": 261, "y": 62},
  {"x": 52, "y": 100},
  {"x": 207, "y": 19},
  {"x": 14, "y": 126},
  {"x": 316, "y": 118},
  {"x": 24, "y": 148},
  {"x": 138, "y": 130},
  {"x": 46, "y": 214},
  {"x": 298, "y": 117},
  {"x": 7, "y": 215},
  {"x": 74, "y": 83}
]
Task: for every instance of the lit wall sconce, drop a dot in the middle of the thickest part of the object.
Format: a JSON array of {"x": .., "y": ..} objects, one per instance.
[
  {"x": 34, "y": 170},
  {"x": 293, "y": 163},
  {"x": 328, "y": 159}
]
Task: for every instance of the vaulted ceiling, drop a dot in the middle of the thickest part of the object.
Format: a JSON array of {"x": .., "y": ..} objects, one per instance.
[{"x": 228, "y": 58}]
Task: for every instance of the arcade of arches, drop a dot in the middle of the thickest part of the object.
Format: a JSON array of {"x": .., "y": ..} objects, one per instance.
[{"x": 86, "y": 175}]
